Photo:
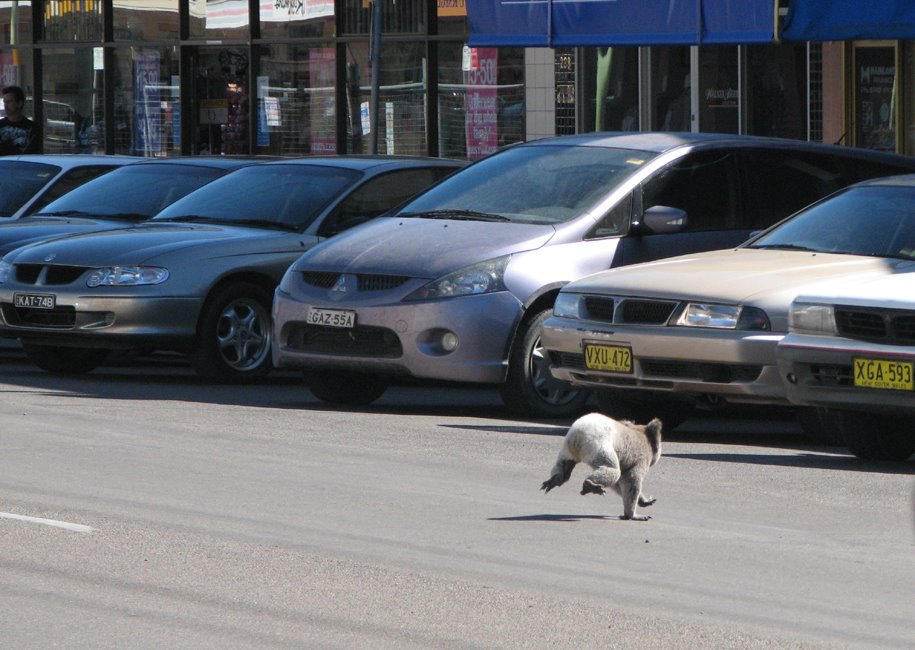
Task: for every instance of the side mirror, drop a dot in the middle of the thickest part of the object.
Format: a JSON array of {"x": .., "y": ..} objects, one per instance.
[{"x": 663, "y": 219}]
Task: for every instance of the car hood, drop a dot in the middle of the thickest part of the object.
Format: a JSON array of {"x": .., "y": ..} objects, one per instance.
[
  {"x": 136, "y": 245},
  {"x": 895, "y": 291},
  {"x": 742, "y": 275},
  {"x": 32, "y": 229},
  {"x": 422, "y": 247}
]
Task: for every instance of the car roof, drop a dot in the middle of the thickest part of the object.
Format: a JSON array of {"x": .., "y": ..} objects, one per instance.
[
  {"x": 902, "y": 180},
  {"x": 220, "y": 162},
  {"x": 368, "y": 161},
  {"x": 663, "y": 141},
  {"x": 72, "y": 159}
]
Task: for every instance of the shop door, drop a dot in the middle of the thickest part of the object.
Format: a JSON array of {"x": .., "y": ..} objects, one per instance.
[
  {"x": 719, "y": 89},
  {"x": 220, "y": 101},
  {"x": 874, "y": 93}
]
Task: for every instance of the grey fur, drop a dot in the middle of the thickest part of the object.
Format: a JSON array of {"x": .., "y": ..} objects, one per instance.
[{"x": 620, "y": 454}]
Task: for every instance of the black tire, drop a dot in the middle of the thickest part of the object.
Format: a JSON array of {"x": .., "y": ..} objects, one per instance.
[
  {"x": 63, "y": 360},
  {"x": 348, "y": 388},
  {"x": 234, "y": 335},
  {"x": 820, "y": 426},
  {"x": 530, "y": 390},
  {"x": 871, "y": 436},
  {"x": 642, "y": 406}
]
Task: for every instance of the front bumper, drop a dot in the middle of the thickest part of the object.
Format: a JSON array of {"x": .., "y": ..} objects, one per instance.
[
  {"x": 401, "y": 338},
  {"x": 738, "y": 366},
  {"x": 116, "y": 322},
  {"x": 818, "y": 371}
]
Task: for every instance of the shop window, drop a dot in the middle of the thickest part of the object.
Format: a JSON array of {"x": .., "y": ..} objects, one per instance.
[
  {"x": 481, "y": 100},
  {"x": 218, "y": 19},
  {"x": 68, "y": 21},
  {"x": 16, "y": 69},
  {"x": 396, "y": 17},
  {"x": 776, "y": 90},
  {"x": 610, "y": 89},
  {"x": 402, "y": 100},
  {"x": 719, "y": 89},
  {"x": 296, "y": 100},
  {"x": 875, "y": 91},
  {"x": 16, "y": 21},
  {"x": 297, "y": 19},
  {"x": 147, "y": 101},
  {"x": 670, "y": 89},
  {"x": 74, "y": 91},
  {"x": 144, "y": 21}
]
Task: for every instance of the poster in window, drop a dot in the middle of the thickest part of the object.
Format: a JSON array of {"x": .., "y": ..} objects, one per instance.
[{"x": 875, "y": 98}]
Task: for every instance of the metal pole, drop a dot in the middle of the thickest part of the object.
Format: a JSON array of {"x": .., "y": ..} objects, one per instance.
[{"x": 375, "y": 56}]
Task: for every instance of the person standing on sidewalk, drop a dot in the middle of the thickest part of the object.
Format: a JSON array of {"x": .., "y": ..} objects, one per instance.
[{"x": 17, "y": 132}]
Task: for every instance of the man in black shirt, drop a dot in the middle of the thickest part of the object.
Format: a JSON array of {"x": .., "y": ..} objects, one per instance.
[{"x": 17, "y": 132}]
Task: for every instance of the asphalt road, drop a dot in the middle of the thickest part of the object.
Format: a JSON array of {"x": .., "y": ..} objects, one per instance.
[{"x": 142, "y": 508}]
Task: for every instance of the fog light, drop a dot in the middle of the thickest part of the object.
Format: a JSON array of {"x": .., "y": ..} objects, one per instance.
[
  {"x": 791, "y": 377},
  {"x": 449, "y": 341}
]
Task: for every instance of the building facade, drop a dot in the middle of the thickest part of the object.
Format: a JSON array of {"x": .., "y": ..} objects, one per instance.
[{"x": 297, "y": 77}]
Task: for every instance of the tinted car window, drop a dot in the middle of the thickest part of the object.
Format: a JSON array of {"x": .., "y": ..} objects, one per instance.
[
  {"x": 534, "y": 184},
  {"x": 378, "y": 195},
  {"x": 19, "y": 181},
  {"x": 779, "y": 183},
  {"x": 286, "y": 195},
  {"x": 875, "y": 221},
  {"x": 704, "y": 185},
  {"x": 68, "y": 182},
  {"x": 152, "y": 188}
]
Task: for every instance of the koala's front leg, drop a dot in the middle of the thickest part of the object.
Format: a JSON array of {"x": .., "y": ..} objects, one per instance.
[{"x": 643, "y": 502}]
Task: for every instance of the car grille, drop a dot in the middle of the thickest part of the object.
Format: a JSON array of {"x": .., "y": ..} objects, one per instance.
[
  {"x": 599, "y": 308},
  {"x": 364, "y": 281},
  {"x": 888, "y": 326},
  {"x": 53, "y": 275},
  {"x": 637, "y": 311},
  {"x": 361, "y": 341},
  {"x": 831, "y": 375},
  {"x": 57, "y": 318},
  {"x": 719, "y": 373}
]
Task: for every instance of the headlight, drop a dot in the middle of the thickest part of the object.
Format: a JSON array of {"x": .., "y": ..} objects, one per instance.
[
  {"x": 119, "y": 276},
  {"x": 805, "y": 318},
  {"x": 5, "y": 269},
  {"x": 566, "y": 305},
  {"x": 485, "y": 277},
  {"x": 733, "y": 317}
]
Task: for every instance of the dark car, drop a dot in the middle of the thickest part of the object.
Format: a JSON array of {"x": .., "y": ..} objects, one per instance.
[
  {"x": 31, "y": 181},
  {"x": 200, "y": 276},
  {"x": 127, "y": 195}
]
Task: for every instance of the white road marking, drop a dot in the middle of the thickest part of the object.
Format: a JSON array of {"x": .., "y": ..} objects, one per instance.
[{"x": 79, "y": 528}]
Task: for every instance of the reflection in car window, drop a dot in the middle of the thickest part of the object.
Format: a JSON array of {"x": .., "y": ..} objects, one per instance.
[
  {"x": 287, "y": 195},
  {"x": 153, "y": 186},
  {"x": 877, "y": 221},
  {"x": 19, "y": 181},
  {"x": 533, "y": 184}
]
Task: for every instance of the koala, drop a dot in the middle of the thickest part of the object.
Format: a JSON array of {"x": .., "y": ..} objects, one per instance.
[{"x": 620, "y": 454}]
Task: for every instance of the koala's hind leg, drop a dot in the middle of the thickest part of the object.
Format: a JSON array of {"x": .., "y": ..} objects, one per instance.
[
  {"x": 606, "y": 474},
  {"x": 562, "y": 470},
  {"x": 630, "y": 488}
]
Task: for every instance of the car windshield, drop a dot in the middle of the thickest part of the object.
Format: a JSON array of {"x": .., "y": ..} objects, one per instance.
[
  {"x": 20, "y": 181},
  {"x": 133, "y": 192},
  {"x": 530, "y": 184},
  {"x": 874, "y": 220},
  {"x": 289, "y": 196}
]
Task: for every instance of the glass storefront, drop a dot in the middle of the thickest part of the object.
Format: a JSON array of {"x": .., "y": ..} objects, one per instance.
[
  {"x": 73, "y": 89},
  {"x": 147, "y": 101}
]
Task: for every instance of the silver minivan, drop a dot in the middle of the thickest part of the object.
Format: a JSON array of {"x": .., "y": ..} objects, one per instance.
[{"x": 455, "y": 285}]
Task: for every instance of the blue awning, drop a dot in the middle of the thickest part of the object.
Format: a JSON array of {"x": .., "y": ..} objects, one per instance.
[
  {"x": 566, "y": 23},
  {"x": 848, "y": 20}
]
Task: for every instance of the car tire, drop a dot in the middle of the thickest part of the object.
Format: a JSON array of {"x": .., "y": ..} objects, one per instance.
[
  {"x": 643, "y": 406},
  {"x": 234, "y": 336},
  {"x": 64, "y": 360},
  {"x": 530, "y": 390},
  {"x": 820, "y": 426},
  {"x": 871, "y": 436},
  {"x": 348, "y": 388}
]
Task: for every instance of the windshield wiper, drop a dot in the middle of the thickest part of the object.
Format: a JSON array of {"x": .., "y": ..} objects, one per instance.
[
  {"x": 451, "y": 213},
  {"x": 257, "y": 223},
  {"x": 784, "y": 247},
  {"x": 65, "y": 213},
  {"x": 185, "y": 217}
]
